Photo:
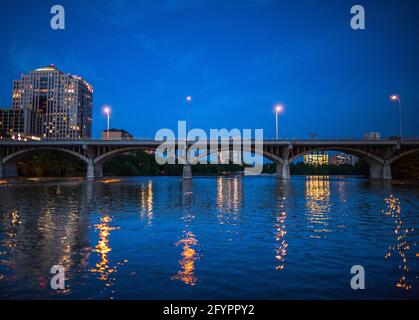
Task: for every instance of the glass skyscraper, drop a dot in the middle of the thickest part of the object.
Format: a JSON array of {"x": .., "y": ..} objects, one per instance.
[{"x": 63, "y": 103}]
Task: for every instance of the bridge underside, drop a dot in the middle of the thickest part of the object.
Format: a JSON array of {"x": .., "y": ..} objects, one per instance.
[{"x": 376, "y": 171}]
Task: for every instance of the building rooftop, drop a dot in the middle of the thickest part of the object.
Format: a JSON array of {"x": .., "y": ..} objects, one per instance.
[
  {"x": 51, "y": 67},
  {"x": 116, "y": 130}
]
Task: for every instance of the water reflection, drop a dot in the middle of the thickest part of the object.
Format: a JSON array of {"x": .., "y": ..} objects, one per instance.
[
  {"x": 105, "y": 271},
  {"x": 317, "y": 194},
  {"x": 106, "y": 181},
  {"x": 186, "y": 274},
  {"x": 189, "y": 254},
  {"x": 229, "y": 194},
  {"x": 146, "y": 201},
  {"x": 38, "y": 233},
  {"x": 281, "y": 216},
  {"x": 402, "y": 245},
  {"x": 11, "y": 223}
]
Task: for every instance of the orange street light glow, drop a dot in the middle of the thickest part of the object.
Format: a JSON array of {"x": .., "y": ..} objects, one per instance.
[
  {"x": 394, "y": 97},
  {"x": 107, "y": 110},
  {"x": 279, "y": 108}
]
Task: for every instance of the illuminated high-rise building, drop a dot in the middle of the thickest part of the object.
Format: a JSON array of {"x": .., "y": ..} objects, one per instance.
[{"x": 63, "y": 102}]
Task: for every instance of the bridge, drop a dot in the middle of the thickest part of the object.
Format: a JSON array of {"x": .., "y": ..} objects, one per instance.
[{"x": 379, "y": 154}]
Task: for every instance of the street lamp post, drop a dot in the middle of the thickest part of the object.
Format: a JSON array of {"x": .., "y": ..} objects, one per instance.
[
  {"x": 278, "y": 109},
  {"x": 188, "y": 100},
  {"x": 108, "y": 113},
  {"x": 395, "y": 98},
  {"x": 187, "y": 171}
]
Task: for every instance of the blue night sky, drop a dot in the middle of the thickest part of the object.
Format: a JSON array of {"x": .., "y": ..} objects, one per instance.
[{"x": 235, "y": 58}]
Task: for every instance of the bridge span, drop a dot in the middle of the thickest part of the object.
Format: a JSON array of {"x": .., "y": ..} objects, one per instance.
[{"x": 379, "y": 154}]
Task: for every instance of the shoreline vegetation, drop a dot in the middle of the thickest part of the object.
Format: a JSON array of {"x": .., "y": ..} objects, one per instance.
[{"x": 139, "y": 163}]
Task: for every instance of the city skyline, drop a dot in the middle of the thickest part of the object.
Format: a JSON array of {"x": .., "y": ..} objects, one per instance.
[{"x": 332, "y": 80}]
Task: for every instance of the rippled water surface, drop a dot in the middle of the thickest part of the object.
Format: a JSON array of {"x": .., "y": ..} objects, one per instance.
[{"x": 252, "y": 237}]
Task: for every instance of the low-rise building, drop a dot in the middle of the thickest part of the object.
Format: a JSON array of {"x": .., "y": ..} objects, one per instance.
[
  {"x": 116, "y": 134},
  {"x": 20, "y": 123},
  {"x": 343, "y": 158},
  {"x": 316, "y": 158},
  {"x": 373, "y": 135}
]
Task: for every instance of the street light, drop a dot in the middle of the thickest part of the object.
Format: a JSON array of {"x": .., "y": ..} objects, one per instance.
[
  {"x": 394, "y": 98},
  {"x": 278, "y": 109},
  {"x": 107, "y": 110}
]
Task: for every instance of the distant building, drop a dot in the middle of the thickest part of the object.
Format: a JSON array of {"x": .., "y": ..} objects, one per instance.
[
  {"x": 63, "y": 101},
  {"x": 342, "y": 158},
  {"x": 316, "y": 158},
  {"x": 18, "y": 123},
  {"x": 373, "y": 135},
  {"x": 116, "y": 134},
  {"x": 230, "y": 156}
]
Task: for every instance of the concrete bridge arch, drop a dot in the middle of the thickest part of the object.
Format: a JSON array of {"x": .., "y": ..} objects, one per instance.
[
  {"x": 379, "y": 168},
  {"x": 8, "y": 163},
  {"x": 403, "y": 154},
  {"x": 95, "y": 165}
]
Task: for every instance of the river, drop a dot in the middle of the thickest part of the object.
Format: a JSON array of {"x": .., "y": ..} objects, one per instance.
[{"x": 212, "y": 238}]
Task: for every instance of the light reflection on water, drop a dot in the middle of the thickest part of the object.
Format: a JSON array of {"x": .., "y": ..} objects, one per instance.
[
  {"x": 403, "y": 244},
  {"x": 103, "y": 268},
  {"x": 189, "y": 255},
  {"x": 253, "y": 237},
  {"x": 186, "y": 274},
  {"x": 317, "y": 193},
  {"x": 146, "y": 201}
]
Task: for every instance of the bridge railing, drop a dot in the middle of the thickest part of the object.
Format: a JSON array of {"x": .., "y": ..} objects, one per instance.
[{"x": 269, "y": 139}]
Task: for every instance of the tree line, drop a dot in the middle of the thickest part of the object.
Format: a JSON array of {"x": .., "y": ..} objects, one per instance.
[{"x": 140, "y": 163}]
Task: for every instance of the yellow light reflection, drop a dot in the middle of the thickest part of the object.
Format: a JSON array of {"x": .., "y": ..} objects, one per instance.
[
  {"x": 146, "y": 201},
  {"x": 11, "y": 227},
  {"x": 317, "y": 193},
  {"x": 281, "y": 248},
  {"x": 106, "y": 273},
  {"x": 186, "y": 274},
  {"x": 402, "y": 246},
  {"x": 106, "y": 181}
]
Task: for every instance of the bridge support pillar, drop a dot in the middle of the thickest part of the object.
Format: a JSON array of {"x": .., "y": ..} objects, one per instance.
[
  {"x": 283, "y": 170},
  {"x": 94, "y": 170},
  {"x": 90, "y": 170},
  {"x": 1, "y": 169},
  {"x": 187, "y": 171},
  {"x": 380, "y": 171},
  {"x": 386, "y": 171}
]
